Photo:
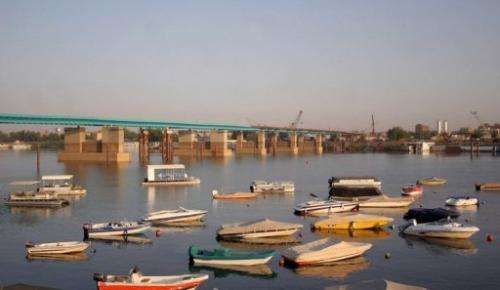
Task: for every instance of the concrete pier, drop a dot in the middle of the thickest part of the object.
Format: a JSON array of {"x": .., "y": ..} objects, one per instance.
[
  {"x": 218, "y": 144},
  {"x": 166, "y": 147},
  {"x": 143, "y": 146},
  {"x": 256, "y": 145},
  {"x": 188, "y": 142},
  {"x": 319, "y": 144}
]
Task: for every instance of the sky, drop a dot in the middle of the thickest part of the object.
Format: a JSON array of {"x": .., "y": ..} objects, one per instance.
[{"x": 243, "y": 62}]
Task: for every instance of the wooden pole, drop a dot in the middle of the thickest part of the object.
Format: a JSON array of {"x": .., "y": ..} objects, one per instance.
[{"x": 38, "y": 159}]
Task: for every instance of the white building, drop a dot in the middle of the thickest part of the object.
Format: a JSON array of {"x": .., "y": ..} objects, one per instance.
[{"x": 442, "y": 127}]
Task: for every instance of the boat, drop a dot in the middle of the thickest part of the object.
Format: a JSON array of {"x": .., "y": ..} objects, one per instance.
[
  {"x": 324, "y": 251},
  {"x": 432, "y": 181},
  {"x": 440, "y": 229},
  {"x": 56, "y": 248},
  {"x": 179, "y": 215},
  {"x": 354, "y": 188},
  {"x": 137, "y": 281},
  {"x": 324, "y": 206},
  {"x": 355, "y": 181},
  {"x": 233, "y": 195},
  {"x": 61, "y": 185},
  {"x": 225, "y": 256},
  {"x": 493, "y": 186},
  {"x": 352, "y": 222},
  {"x": 261, "y": 186},
  {"x": 356, "y": 234},
  {"x": 425, "y": 215},
  {"x": 263, "y": 228},
  {"x": 412, "y": 190},
  {"x": 461, "y": 201},
  {"x": 24, "y": 195},
  {"x": 169, "y": 174},
  {"x": 123, "y": 228},
  {"x": 385, "y": 201}
]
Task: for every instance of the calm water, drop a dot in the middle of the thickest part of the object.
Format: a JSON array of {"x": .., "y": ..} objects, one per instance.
[{"x": 114, "y": 192}]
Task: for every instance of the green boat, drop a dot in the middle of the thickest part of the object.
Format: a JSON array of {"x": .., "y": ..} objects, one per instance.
[
  {"x": 432, "y": 181},
  {"x": 224, "y": 256}
]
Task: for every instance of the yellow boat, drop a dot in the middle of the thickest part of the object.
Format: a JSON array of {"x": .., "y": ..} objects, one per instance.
[
  {"x": 433, "y": 181},
  {"x": 352, "y": 222}
]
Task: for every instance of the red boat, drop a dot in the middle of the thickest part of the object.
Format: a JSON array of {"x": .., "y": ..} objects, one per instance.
[
  {"x": 136, "y": 281},
  {"x": 412, "y": 189}
]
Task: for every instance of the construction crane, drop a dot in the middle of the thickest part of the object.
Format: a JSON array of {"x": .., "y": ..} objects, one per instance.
[
  {"x": 295, "y": 123},
  {"x": 475, "y": 114}
]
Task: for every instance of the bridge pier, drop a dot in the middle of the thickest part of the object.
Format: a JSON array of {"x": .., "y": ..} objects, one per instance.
[
  {"x": 218, "y": 144},
  {"x": 166, "y": 146},
  {"x": 319, "y": 144},
  {"x": 187, "y": 144},
  {"x": 255, "y": 146},
  {"x": 143, "y": 146},
  {"x": 294, "y": 149}
]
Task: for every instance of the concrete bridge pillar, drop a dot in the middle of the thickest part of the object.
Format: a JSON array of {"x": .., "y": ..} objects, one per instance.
[
  {"x": 143, "y": 146},
  {"x": 319, "y": 144},
  {"x": 187, "y": 144},
  {"x": 294, "y": 149},
  {"x": 218, "y": 143},
  {"x": 167, "y": 148},
  {"x": 112, "y": 144},
  {"x": 240, "y": 143},
  {"x": 261, "y": 143},
  {"x": 300, "y": 142},
  {"x": 73, "y": 139},
  {"x": 274, "y": 143}
]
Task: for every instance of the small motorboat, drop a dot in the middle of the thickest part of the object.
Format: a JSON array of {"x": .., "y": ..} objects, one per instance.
[
  {"x": 234, "y": 195},
  {"x": 352, "y": 222},
  {"x": 325, "y": 206},
  {"x": 412, "y": 190},
  {"x": 179, "y": 215},
  {"x": 432, "y": 181},
  {"x": 440, "y": 229},
  {"x": 123, "y": 228},
  {"x": 425, "y": 215},
  {"x": 137, "y": 281},
  {"x": 462, "y": 201},
  {"x": 493, "y": 186},
  {"x": 56, "y": 248},
  {"x": 263, "y": 228},
  {"x": 324, "y": 251},
  {"x": 385, "y": 201},
  {"x": 225, "y": 256},
  {"x": 261, "y": 186}
]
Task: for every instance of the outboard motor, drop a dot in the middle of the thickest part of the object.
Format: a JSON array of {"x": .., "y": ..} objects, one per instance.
[
  {"x": 99, "y": 277},
  {"x": 86, "y": 228}
]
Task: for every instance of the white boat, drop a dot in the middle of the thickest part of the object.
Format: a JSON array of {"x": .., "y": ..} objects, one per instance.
[
  {"x": 440, "y": 229},
  {"x": 169, "y": 174},
  {"x": 461, "y": 201},
  {"x": 261, "y": 186},
  {"x": 61, "y": 185},
  {"x": 122, "y": 228},
  {"x": 263, "y": 228},
  {"x": 324, "y": 251},
  {"x": 56, "y": 248},
  {"x": 355, "y": 181},
  {"x": 324, "y": 206},
  {"x": 25, "y": 195},
  {"x": 385, "y": 201},
  {"x": 174, "y": 216}
]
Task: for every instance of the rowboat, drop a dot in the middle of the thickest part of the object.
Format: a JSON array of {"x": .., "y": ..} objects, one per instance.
[
  {"x": 136, "y": 281},
  {"x": 264, "y": 228},
  {"x": 56, "y": 248},
  {"x": 425, "y": 215},
  {"x": 352, "y": 222},
  {"x": 412, "y": 190},
  {"x": 324, "y": 251},
  {"x": 440, "y": 229},
  {"x": 175, "y": 216},
  {"x": 432, "y": 181},
  {"x": 225, "y": 256},
  {"x": 261, "y": 186},
  {"x": 234, "y": 195},
  {"x": 385, "y": 201},
  {"x": 122, "y": 228},
  {"x": 494, "y": 186},
  {"x": 324, "y": 206},
  {"x": 461, "y": 201}
]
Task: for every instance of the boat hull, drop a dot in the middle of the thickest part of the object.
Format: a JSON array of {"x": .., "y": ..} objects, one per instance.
[
  {"x": 134, "y": 231},
  {"x": 385, "y": 204},
  {"x": 326, "y": 209},
  {"x": 249, "y": 195},
  {"x": 57, "y": 250},
  {"x": 441, "y": 234},
  {"x": 128, "y": 286},
  {"x": 257, "y": 235},
  {"x": 238, "y": 262},
  {"x": 462, "y": 202},
  {"x": 37, "y": 203},
  {"x": 352, "y": 223},
  {"x": 195, "y": 181}
]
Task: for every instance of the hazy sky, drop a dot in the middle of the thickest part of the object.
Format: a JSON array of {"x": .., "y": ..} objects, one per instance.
[{"x": 231, "y": 61}]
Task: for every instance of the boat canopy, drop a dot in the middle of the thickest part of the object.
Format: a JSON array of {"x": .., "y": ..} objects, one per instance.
[{"x": 57, "y": 177}]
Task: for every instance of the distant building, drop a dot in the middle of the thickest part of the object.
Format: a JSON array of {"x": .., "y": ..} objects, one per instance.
[
  {"x": 422, "y": 131},
  {"x": 442, "y": 127}
]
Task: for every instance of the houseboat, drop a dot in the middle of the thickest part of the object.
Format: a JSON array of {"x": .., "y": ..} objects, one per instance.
[
  {"x": 61, "y": 185},
  {"x": 22, "y": 196},
  {"x": 261, "y": 186},
  {"x": 169, "y": 174}
]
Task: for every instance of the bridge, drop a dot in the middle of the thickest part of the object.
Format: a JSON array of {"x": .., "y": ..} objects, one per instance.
[{"x": 193, "y": 139}]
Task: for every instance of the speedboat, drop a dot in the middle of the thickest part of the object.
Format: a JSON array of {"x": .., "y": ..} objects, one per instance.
[
  {"x": 432, "y": 181},
  {"x": 352, "y": 222},
  {"x": 440, "y": 229},
  {"x": 234, "y": 195},
  {"x": 324, "y": 251},
  {"x": 264, "y": 228},
  {"x": 261, "y": 186},
  {"x": 174, "y": 216},
  {"x": 385, "y": 201},
  {"x": 123, "y": 228},
  {"x": 225, "y": 256},
  {"x": 425, "y": 215},
  {"x": 136, "y": 281},
  {"x": 56, "y": 248},
  {"x": 324, "y": 206},
  {"x": 412, "y": 190},
  {"x": 461, "y": 201}
]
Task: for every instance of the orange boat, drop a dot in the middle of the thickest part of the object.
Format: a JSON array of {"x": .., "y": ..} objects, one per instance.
[
  {"x": 234, "y": 195},
  {"x": 412, "y": 189}
]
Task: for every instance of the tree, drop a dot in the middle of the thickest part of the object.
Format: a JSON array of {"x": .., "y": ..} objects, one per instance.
[{"x": 397, "y": 133}]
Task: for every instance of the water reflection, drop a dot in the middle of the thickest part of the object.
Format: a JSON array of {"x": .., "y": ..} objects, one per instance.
[
  {"x": 375, "y": 284},
  {"x": 222, "y": 271},
  {"x": 33, "y": 215},
  {"x": 122, "y": 241},
  {"x": 442, "y": 245},
  {"x": 337, "y": 270},
  {"x": 78, "y": 257}
]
